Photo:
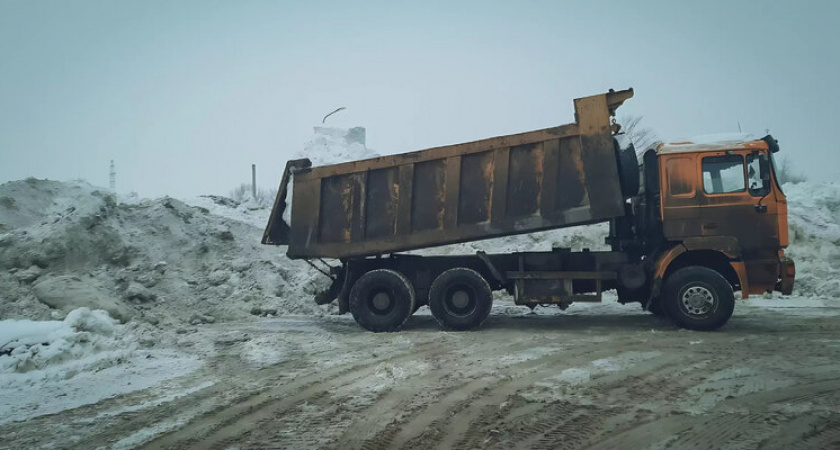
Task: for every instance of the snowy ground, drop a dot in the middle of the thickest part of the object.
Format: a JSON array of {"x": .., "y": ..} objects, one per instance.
[
  {"x": 596, "y": 376},
  {"x": 130, "y": 322}
]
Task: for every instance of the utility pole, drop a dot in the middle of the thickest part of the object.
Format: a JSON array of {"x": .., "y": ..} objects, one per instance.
[
  {"x": 112, "y": 178},
  {"x": 254, "y": 181}
]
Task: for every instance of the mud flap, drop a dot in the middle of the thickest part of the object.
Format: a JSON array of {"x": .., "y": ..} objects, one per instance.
[
  {"x": 335, "y": 289},
  {"x": 342, "y": 284},
  {"x": 787, "y": 276}
]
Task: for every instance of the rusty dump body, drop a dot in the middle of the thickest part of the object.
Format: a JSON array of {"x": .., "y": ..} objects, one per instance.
[
  {"x": 551, "y": 178},
  {"x": 690, "y": 223}
]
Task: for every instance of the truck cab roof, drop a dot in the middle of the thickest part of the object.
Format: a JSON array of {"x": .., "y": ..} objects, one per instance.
[{"x": 720, "y": 142}]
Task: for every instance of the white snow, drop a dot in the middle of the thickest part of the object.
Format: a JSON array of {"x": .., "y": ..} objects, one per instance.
[
  {"x": 331, "y": 145},
  {"x": 22, "y": 332},
  {"x": 721, "y": 138},
  {"x": 51, "y": 366},
  {"x": 27, "y": 345}
]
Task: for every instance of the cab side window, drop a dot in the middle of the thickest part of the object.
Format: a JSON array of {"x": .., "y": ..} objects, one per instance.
[
  {"x": 723, "y": 174},
  {"x": 758, "y": 186}
]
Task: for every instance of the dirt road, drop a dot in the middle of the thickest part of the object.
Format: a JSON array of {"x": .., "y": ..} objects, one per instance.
[{"x": 769, "y": 380}]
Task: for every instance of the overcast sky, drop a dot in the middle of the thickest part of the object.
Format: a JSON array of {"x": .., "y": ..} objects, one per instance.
[{"x": 185, "y": 95}]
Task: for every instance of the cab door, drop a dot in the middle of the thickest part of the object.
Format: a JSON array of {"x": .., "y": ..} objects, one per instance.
[{"x": 733, "y": 201}]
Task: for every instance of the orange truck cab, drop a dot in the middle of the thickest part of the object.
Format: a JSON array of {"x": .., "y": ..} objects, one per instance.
[{"x": 719, "y": 207}]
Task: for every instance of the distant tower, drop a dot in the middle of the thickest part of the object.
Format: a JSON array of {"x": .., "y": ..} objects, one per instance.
[
  {"x": 254, "y": 181},
  {"x": 113, "y": 178}
]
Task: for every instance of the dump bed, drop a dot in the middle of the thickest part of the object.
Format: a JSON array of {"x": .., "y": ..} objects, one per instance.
[{"x": 520, "y": 183}]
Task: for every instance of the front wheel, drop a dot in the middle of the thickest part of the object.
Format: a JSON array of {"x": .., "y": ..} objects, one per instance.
[
  {"x": 460, "y": 299},
  {"x": 698, "y": 298},
  {"x": 382, "y": 300}
]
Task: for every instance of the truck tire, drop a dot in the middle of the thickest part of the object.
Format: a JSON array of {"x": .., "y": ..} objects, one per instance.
[
  {"x": 460, "y": 299},
  {"x": 382, "y": 300},
  {"x": 698, "y": 298}
]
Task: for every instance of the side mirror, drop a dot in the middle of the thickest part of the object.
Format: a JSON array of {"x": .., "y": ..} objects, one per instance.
[{"x": 764, "y": 167}]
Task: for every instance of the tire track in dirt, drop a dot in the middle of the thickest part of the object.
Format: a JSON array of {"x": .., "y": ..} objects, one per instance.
[
  {"x": 365, "y": 428},
  {"x": 451, "y": 418},
  {"x": 826, "y": 435},
  {"x": 716, "y": 431},
  {"x": 337, "y": 413},
  {"x": 579, "y": 426},
  {"x": 797, "y": 394},
  {"x": 236, "y": 386},
  {"x": 644, "y": 435},
  {"x": 227, "y": 389},
  {"x": 439, "y": 383},
  {"x": 225, "y": 424},
  {"x": 550, "y": 431},
  {"x": 517, "y": 431}
]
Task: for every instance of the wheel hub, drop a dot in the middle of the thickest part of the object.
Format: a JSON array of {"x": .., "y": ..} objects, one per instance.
[
  {"x": 698, "y": 300},
  {"x": 381, "y": 301},
  {"x": 460, "y": 299}
]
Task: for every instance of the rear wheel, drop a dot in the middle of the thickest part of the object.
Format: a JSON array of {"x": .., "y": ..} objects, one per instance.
[
  {"x": 382, "y": 300},
  {"x": 698, "y": 298},
  {"x": 460, "y": 299}
]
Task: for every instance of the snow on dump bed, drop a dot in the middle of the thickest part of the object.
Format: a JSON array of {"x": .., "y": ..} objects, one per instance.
[
  {"x": 50, "y": 366},
  {"x": 330, "y": 145}
]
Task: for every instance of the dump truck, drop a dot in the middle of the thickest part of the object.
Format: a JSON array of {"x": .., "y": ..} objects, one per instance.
[{"x": 690, "y": 223}]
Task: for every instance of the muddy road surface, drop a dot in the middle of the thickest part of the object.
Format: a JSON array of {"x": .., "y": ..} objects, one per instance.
[{"x": 588, "y": 378}]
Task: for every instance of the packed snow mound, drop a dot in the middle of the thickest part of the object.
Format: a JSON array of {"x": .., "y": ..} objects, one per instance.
[
  {"x": 27, "y": 345},
  {"x": 332, "y": 145},
  {"x": 252, "y": 212},
  {"x": 159, "y": 260},
  {"x": 32, "y": 202},
  {"x": 51, "y": 366},
  {"x": 814, "y": 230}
]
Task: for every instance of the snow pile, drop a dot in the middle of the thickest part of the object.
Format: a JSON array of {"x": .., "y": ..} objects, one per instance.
[
  {"x": 332, "y": 145},
  {"x": 252, "y": 212},
  {"x": 27, "y": 345},
  {"x": 50, "y": 366},
  {"x": 814, "y": 227},
  {"x": 159, "y": 260},
  {"x": 166, "y": 261}
]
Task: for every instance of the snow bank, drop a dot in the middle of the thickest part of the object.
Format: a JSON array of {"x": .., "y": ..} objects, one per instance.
[
  {"x": 814, "y": 229},
  {"x": 27, "y": 345},
  {"x": 158, "y": 260},
  {"x": 331, "y": 145},
  {"x": 49, "y": 366}
]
